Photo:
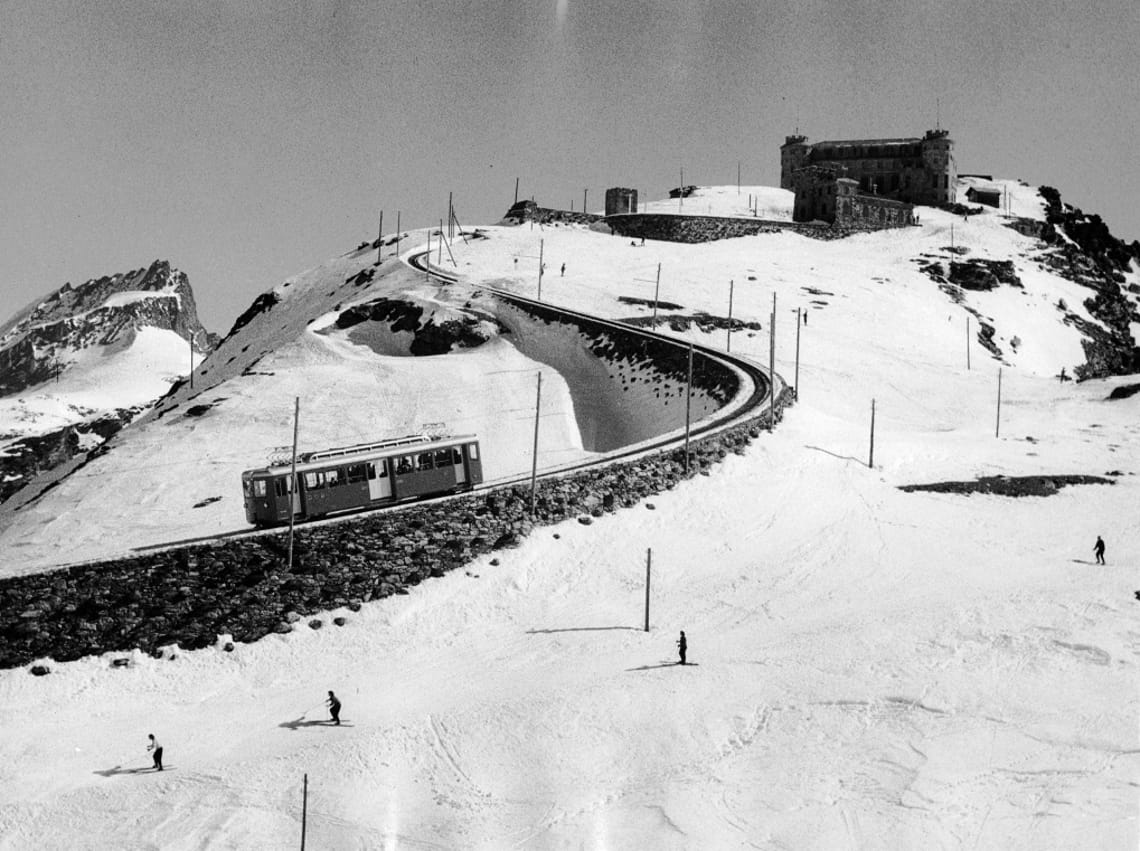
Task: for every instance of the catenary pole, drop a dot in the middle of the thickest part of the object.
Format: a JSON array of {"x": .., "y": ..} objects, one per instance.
[
  {"x": 585, "y": 192},
  {"x": 380, "y": 239},
  {"x": 796, "y": 388},
  {"x": 516, "y": 190},
  {"x": 534, "y": 452},
  {"x": 397, "y": 233},
  {"x": 648, "y": 576},
  {"x": 293, "y": 477},
  {"x": 772, "y": 367},
  {"x": 440, "y": 260},
  {"x": 540, "y": 265},
  {"x": 728, "y": 339},
  {"x": 190, "y": 339},
  {"x": 656, "y": 291},
  {"x": 450, "y": 230},
  {"x": 688, "y": 405}
]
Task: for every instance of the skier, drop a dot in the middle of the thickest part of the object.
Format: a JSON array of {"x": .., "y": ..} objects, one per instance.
[
  {"x": 157, "y": 748},
  {"x": 334, "y": 708},
  {"x": 682, "y": 646},
  {"x": 1063, "y": 378},
  {"x": 1099, "y": 550}
]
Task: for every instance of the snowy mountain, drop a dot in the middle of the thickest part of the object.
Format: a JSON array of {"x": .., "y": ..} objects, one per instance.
[
  {"x": 876, "y": 666},
  {"x": 79, "y": 364}
]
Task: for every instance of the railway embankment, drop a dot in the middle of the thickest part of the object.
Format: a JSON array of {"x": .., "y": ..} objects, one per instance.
[{"x": 189, "y": 597}]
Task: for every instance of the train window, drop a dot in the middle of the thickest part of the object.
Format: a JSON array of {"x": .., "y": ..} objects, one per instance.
[
  {"x": 473, "y": 451},
  {"x": 443, "y": 458},
  {"x": 259, "y": 487},
  {"x": 404, "y": 465},
  {"x": 456, "y": 455},
  {"x": 424, "y": 461},
  {"x": 356, "y": 473},
  {"x": 314, "y": 481},
  {"x": 247, "y": 487},
  {"x": 336, "y": 478},
  {"x": 281, "y": 486}
]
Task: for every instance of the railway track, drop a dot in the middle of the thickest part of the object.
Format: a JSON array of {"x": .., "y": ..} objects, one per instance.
[{"x": 739, "y": 410}]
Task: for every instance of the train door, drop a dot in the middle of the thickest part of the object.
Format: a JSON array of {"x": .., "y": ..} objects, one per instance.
[
  {"x": 474, "y": 465},
  {"x": 379, "y": 482},
  {"x": 461, "y": 477}
]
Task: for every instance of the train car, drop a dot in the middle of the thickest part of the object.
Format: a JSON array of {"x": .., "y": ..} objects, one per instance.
[{"x": 362, "y": 476}]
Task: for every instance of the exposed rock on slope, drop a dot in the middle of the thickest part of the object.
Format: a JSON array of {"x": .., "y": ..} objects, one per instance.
[{"x": 74, "y": 366}]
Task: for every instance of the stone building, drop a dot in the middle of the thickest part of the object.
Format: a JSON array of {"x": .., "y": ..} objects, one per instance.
[
  {"x": 620, "y": 200},
  {"x": 824, "y": 193},
  {"x": 911, "y": 170}
]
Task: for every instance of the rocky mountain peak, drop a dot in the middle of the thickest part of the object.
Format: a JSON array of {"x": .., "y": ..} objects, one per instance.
[{"x": 42, "y": 340}]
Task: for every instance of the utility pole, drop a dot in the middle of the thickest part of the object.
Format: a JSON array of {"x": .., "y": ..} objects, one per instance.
[
  {"x": 656, "y": 290},
  {"x": 681, "y": 191},
  {"x": 450, "y": 211},
  {"x": 728, "y": 341},
  {"x": 534, "y": 453},
  {"x": 440, "y": 261},
  {"x": 380, "y": 239},
  {"x": 738, "y": 177},
  {"x": 871, "y": 459},
  {"x": 688, "y": 406},
  {"x": 648, "y": 575},
  {"x": 427, "y": 261},
  {"x": 540, "y": 267},
  {"x": 397, "y": 233},
  {"x": 585, "y": 192},
  {"x": 304, "y": 810},
  {"x": 997, "y": 424},
  {"x": 796, "y": 388},
  {"x": 967, "y": 343},
  {"x": 191, "y": 341},
  {"x": 293, "y": 478},
  {"x": 772, "y": 368},
  {"x": 516, "y": 190}
]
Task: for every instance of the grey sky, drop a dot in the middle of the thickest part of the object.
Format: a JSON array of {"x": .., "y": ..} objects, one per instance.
[{"x": 246, "y": 141}]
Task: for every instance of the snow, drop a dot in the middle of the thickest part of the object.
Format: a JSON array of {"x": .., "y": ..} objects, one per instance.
[{"x": 873, "y": 668}]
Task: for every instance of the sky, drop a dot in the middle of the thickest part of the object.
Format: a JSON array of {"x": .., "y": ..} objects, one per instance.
[{"x": 248, "y": 141}]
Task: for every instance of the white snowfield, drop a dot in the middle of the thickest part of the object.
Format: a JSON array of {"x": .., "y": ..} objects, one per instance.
[{"x": 871, "y": 669}]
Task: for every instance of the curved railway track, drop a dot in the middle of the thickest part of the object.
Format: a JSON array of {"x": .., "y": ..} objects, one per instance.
[{"x": 736, "y": 412}]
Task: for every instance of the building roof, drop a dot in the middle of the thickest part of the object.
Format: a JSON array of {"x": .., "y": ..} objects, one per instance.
[{"x": 909, "y": 140}]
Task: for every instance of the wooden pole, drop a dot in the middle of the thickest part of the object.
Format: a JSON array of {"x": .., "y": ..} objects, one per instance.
[
  {"x": 967, "y": 343},
  {"x": 796, "y": 388},
  {"x": 397, "y": 233},
  {"x": 871, "y": 459},
  {"x": 427, "y": 262},
  {"x": 688, "y": 405},
  {"x": 648, "y": 576},
  {"x": 440, "y": 260},
  {"x": 540, "y": 265},
  {"x": 293, "y": 477},
  {"x": 534, "y": 452},
  {"x": 728, "y": 340},
  {"x": 304, "y": 810},
  {"x": 380, "y": 239},
  {"x": 772, "y": 367},
  {"x": 450, "y": 229},
  {"x": 656, "y": 290},
  {"x": 997, "y": 424},
  {"x": 516, "y": 190},
  {"x": 191, "y": 340}
]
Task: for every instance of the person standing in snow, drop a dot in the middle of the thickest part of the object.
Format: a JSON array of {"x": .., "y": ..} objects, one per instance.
[
  {"x": 334, "y": 708},
  {"x": 563, "y": 273},
  {"x": 1099, "y": 550},
  {"x": 157, "y": 748},
  {"x": 682, "y": 646}
]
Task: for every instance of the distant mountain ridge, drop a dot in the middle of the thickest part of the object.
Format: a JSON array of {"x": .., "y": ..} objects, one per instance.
[
  {"x": 81, "y": 363},
  {"x": 39, "y": 342}
]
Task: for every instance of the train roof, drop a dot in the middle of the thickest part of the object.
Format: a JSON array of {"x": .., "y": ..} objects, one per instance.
[{"x": 364, "y": 451}]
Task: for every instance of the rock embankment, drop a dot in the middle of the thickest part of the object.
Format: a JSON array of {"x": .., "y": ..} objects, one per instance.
[{"x": 190, "y": 596}]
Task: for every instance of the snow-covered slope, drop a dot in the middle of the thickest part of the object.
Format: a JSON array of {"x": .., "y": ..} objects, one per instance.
[
  {"x": 874, "y": 668},
  {"x": 80, "y": 363}
]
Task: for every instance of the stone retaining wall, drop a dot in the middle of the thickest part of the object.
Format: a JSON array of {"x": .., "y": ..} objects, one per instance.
[
  {"x": 680, "y": 228},
  {"x": 192, "y": 595}
]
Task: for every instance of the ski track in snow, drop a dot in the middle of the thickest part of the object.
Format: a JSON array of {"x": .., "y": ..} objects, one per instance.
[{"x": 873, "y": 669}]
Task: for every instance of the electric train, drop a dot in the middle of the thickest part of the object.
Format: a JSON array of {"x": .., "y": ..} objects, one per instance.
[{"x": 367, "y": 475}]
